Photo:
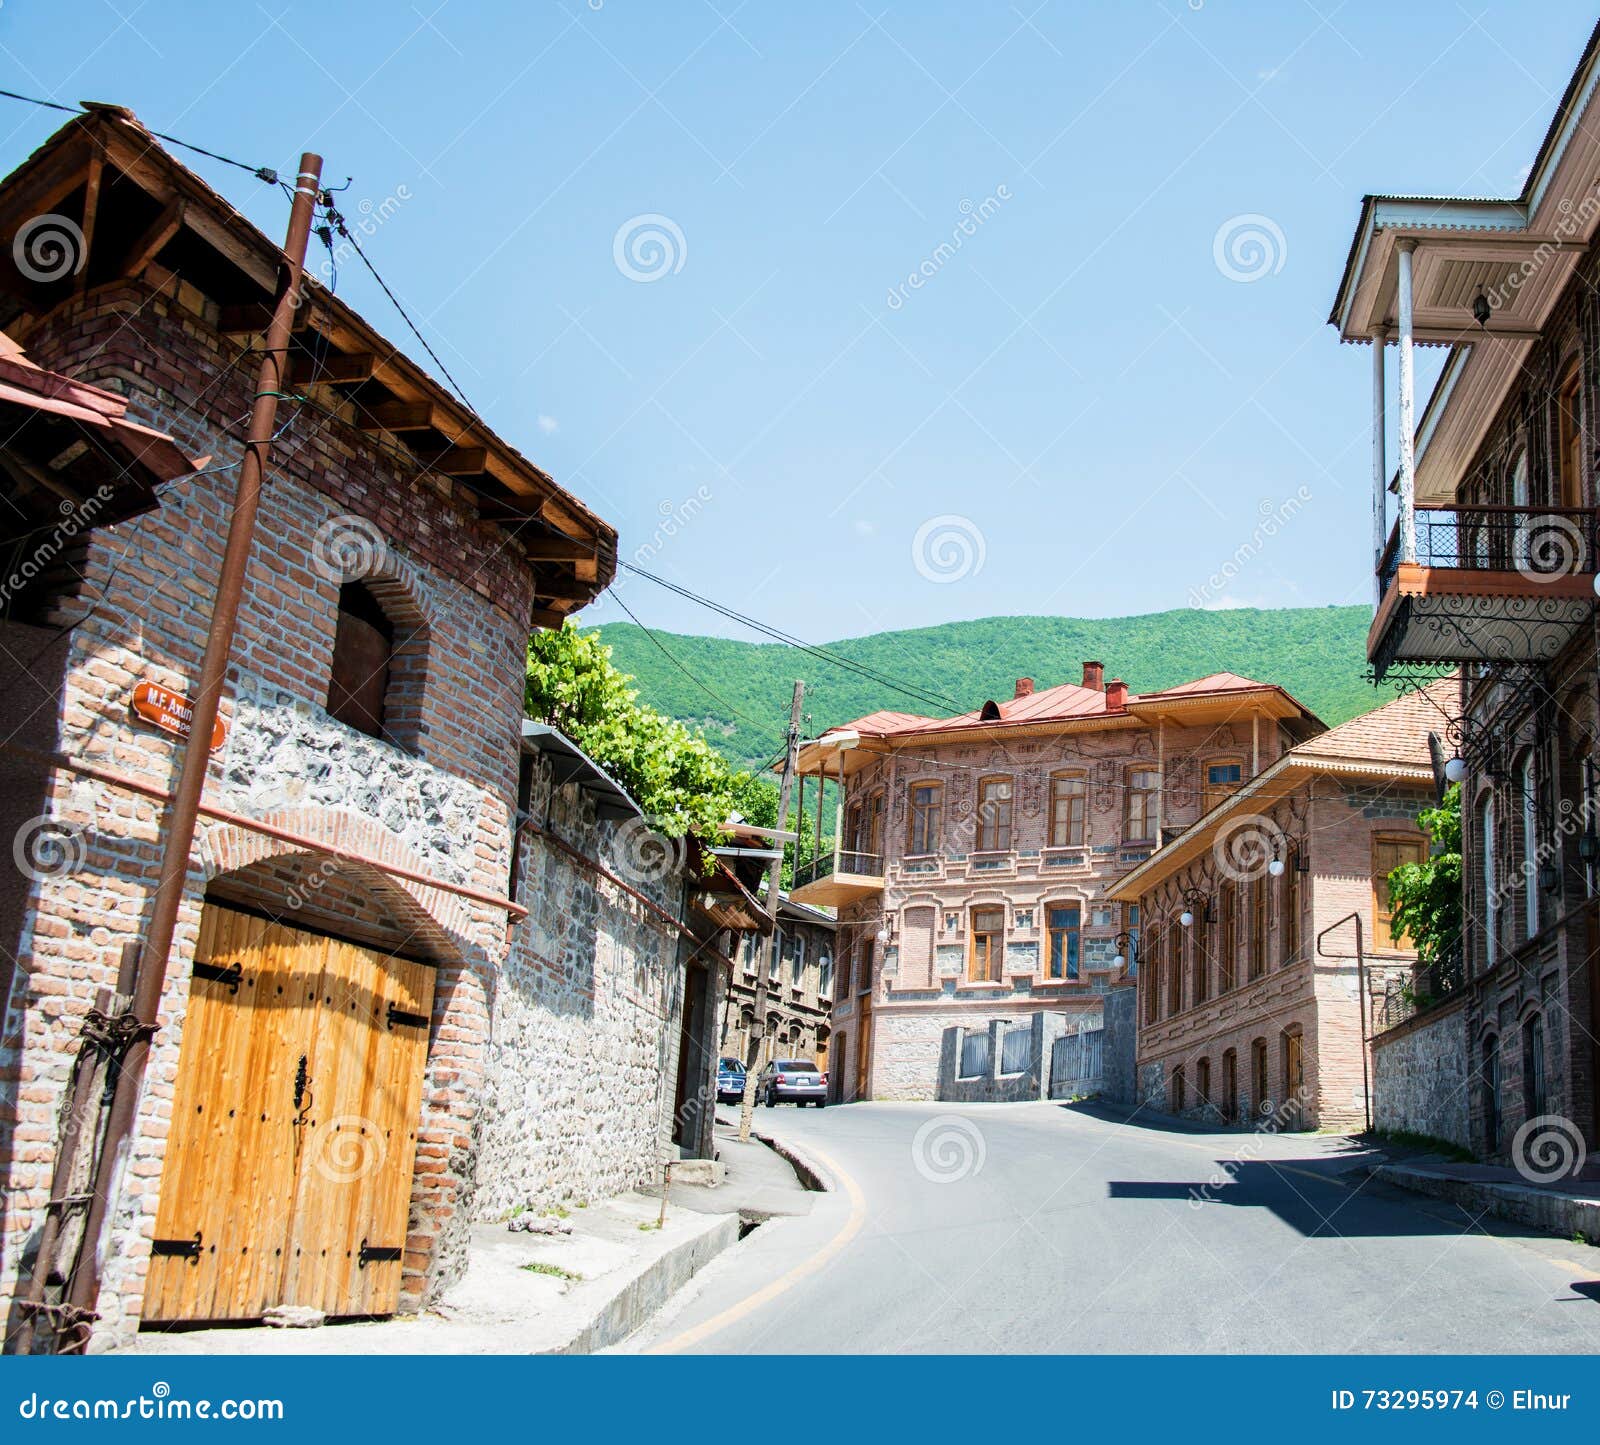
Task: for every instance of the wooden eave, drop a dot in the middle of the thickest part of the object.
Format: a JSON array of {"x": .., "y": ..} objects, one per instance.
[{"x": 97, "y": 155}]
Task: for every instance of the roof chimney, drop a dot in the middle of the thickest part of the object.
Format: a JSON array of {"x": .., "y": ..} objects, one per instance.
[
  {"x": 1024, "y": 688},
  {"x": 1094, "y": 675},
  {"x": 1116, "y": 695}
]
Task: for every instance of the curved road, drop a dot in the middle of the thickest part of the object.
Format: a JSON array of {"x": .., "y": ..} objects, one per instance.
[{"x": 1037, "y": 1227}]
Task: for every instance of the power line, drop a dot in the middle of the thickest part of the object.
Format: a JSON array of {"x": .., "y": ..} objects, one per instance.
[
  {"x": 264, "y": 173},
  {"x": 918, "y": 694},
  {"x": 666, "y": 652}
]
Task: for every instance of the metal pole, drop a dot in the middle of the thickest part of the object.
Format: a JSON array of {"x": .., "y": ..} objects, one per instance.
[
  {"x": 1407, "y": 417},
  {"x": 1380, "y": 463},
  {"x": 151, "y": 978},
  {"x": 758, "y": 1024}
]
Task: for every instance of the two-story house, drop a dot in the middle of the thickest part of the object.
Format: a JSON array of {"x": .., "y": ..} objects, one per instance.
[
  {"x": 975, "y": 855},
  {"x": 1487, "y": 561},
  {"x": 411, "y": 924}
]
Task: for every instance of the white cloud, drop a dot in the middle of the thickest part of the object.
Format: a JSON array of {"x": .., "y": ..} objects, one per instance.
[
  {"x": 548, "y": 424},
  {"x": 864, "y": 527}
]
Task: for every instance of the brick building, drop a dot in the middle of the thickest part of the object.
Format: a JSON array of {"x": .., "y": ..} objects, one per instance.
[
  {"x": 1489, "y": 565},
  {"x": 1262, "y": 923},
  {"x": 799, "y": 989},
  {"x": 424, "y": 966},
  {"x": 973, "y": 870}
]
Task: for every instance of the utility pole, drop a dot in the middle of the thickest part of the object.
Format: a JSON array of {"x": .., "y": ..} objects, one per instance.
[
  {"x": 139, "y": 1023},
  {"x": 758, "y": 1024}
]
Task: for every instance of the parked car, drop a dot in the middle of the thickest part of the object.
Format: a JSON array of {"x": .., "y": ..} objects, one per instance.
[
  {"x": 792, "y": 1081},
  {"x": 730, "y": 1081}
]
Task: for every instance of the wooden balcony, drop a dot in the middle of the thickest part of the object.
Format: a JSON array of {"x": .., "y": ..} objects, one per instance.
[
  {"x": 1489, "y": 585},
  {"x": 839, "y": 877}
]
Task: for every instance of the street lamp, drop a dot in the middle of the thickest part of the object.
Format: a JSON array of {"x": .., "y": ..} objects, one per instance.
[
  {"x": 1455, "y": 769},
  {"x": 1192, "y": 897},
  {"x": 1127, "y": 948}
]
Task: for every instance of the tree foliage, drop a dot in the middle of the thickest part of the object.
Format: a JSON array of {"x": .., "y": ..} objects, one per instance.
[
  {"x": 1426, "y": 897},
  {"x": 681, "y": 782}
]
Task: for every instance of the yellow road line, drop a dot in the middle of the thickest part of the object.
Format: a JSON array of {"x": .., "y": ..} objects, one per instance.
[{"x": 784, "y": 1282}]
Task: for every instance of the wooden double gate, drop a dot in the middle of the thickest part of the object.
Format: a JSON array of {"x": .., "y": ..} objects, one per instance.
[{"x": 289, "y": 1164}]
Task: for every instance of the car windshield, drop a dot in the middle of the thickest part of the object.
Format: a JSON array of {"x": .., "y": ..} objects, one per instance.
[
  {"x": 799, "y": 1066},
  {"x": 731, "y": 1066}
]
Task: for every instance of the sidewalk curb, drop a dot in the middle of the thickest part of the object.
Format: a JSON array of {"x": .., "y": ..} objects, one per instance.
[
  {"x": 812, "y": 1175},
  {"x": 1562, "y": 1215},
  {"x": 632, "y": 1307}
]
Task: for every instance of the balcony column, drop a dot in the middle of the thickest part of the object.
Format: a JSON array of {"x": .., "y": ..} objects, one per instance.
[
  {"x": 1380, "y": 461},
  {"x": 1407, "y": 409}
]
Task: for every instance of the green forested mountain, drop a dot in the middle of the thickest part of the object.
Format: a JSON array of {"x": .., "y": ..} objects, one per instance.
[{"x": 1317, "y": 653}]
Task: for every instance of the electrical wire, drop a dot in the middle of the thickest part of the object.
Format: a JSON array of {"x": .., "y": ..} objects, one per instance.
[
  {"x": 921, "y": 695},
  {"x": 264, "y": 173}
]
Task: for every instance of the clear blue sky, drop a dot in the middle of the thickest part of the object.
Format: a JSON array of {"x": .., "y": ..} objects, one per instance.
[{"x": 1106, "y": 411}]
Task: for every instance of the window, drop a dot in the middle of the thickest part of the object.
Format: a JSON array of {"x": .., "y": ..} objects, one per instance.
[
  {"x": 927, "y": 809},
  {"x": 825, "y": 977},
  {"x": 1258, "y": 926},
  {"x": 797, "y": 964},
  {"x": 976, "y": 1052},
  {"x": 1139, "y": 822},
  {"x": 1533, "y": 1089},
  {"x": 1180, "y": 1094},
  {"x": 1228, "y": 951},
  {"x": 1388, "y": 853},
  {"x": 988, "y": 945},
  {"x": 874, "y": 841},
  {"x": 1230, "y": 1086},
  {"x": 779, "y": 946},
  {"x": 1202, "y": 1083},
  {"x": 1529, "y": 787},
  {"x": 1061, "y": 923},
  {"x": 1493, "y": 1115},
  {"x": 1491, "y": 884},
  {"x": 846, "y": 946},
  {"x": 363, "y": 646},
  {"x": 1223, "y": 776},
  {"x": 1150, "y": 981},
  {"x": 752, "y": 950},
  {"x": 1291, "y": 905},
  {"x": 994, "y": 815},
  {"x": 1068, "y": 799},
  {"x": 1132, "y": 925},
  {"x": 1200, "y": 931},
  {"x": 1175, "y": 970},
  {"x": 1570, "y": 460}
]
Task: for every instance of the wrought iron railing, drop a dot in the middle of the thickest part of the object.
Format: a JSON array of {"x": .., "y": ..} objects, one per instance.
[
  {"x": 843, "y": 860},
  {"x": 1429, "y": 986},
  {"x": 1541, "y": 543}
]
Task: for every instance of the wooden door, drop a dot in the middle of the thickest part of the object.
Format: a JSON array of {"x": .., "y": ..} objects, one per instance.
[
  {"x": 863, "y": 1044},
  {"x": 294, "y": 1126}
]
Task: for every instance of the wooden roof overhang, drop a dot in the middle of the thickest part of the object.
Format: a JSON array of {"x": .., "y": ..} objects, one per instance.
[
  {"x": 1274, "y": 783},
  {"x": 70, "y": 460},
  {"x": 1521, "y": 254},
  {"x": 142, "y": 213}
]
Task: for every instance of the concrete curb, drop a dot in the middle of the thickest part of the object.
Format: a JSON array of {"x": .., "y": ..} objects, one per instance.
[
  {"x": 1559, "y": 1214},
  {"x": 632, "y": 1306},
  {"x": 812, "y": 1174}
]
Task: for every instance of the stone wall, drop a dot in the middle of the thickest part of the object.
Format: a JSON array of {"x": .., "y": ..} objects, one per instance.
[
  {"x": 584, "y": 1024},
  {"x": 1118, "y": 1082},
  {"x": 1419, "y": 1076}
]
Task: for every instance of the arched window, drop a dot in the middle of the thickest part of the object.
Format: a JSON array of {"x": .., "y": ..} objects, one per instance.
[
  {"x": 1527, "y": 779},
  {"x": 1229, "y": 1102},
  {"x": 1202, "y": 1082},
  {"x": 1260, "y": 1085},
  {"x": 1491, "y": 884},
  {"x": 1491, "y": 1093},
  {"x": 363, "y": 649},
  {"x": 1533, "y": 1084},
  {"x": 1180, "y": 1092}
]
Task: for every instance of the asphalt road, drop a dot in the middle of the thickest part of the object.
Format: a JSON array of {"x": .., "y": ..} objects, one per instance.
[{"x": 1040, "y": 1228}]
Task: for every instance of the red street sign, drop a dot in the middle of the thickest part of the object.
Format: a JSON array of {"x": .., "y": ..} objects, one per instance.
[{"x": 171, "y": 712}]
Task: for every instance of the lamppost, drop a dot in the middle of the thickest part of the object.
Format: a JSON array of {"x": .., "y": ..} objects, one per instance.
[{"x": 1198, "y": 898}]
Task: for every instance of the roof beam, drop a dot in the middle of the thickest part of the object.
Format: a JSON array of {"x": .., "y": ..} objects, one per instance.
[
  {"x": 397, "y": 416},
  {"x": 456, "y": 461},
  {"x": 156, "y": 235},
  {"x": 559, "y": 549},
  {"x": 339, "y": 369}
]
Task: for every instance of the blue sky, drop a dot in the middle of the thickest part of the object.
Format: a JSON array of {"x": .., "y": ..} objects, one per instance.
[{"x": 668, "y": 250}]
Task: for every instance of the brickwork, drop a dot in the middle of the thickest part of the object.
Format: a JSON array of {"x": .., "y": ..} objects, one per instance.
[
  {"x": 799, "y": 998},
  {"x": 433, "y": 800}
]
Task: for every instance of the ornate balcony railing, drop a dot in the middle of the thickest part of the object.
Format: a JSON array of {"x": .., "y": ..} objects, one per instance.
[{"x": 1541, "y": 543}]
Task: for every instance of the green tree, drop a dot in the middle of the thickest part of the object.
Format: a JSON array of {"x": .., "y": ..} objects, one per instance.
[{"x": 1426, "y": 897}]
